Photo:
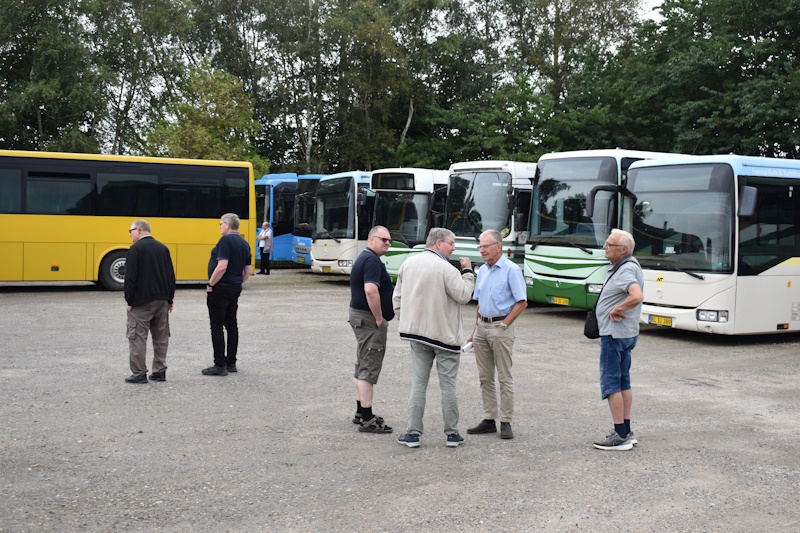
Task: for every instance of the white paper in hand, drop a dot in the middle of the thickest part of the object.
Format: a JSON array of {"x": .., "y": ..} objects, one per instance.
[{"x": 467, "y": 347}]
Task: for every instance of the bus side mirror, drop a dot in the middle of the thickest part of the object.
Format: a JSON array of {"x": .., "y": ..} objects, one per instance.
[{"x": 747, "y": 202}]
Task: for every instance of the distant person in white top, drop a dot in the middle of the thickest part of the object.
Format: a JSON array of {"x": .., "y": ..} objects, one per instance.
[{"x": 265, "y": 247}]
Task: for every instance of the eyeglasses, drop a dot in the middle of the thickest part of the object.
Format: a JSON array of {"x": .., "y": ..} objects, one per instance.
[
  {"x": 609, "y": 244},
  {"x": 133, "y": 229},
  {"x": 384, "y": 239},
  {"x": 486, "y": 246}
]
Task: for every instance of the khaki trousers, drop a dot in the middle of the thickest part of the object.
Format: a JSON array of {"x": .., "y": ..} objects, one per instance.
[
  {"x": 493, "y": 348},
  {"x": 150, "y": 317}
]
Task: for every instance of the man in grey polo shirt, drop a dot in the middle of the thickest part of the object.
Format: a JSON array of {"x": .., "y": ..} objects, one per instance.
[{"x": 618, "y": 311}]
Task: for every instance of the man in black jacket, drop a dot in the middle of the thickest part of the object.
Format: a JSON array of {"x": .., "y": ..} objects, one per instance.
[{"x": 149, "y": 290}]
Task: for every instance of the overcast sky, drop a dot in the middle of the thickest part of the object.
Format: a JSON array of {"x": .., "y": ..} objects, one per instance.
[{"x": 648, "y": 8}]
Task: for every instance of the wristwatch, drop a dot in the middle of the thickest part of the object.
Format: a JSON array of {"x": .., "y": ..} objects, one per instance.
[{"x": 503, "y": 326}]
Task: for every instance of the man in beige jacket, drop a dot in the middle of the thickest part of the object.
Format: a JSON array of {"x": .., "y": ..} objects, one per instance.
[{"x": 428, "y": 299}]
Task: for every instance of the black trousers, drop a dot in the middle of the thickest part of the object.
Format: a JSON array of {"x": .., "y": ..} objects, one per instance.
[
  {"x": 264, "y": 262},
  {"x": 223, "y": 303}
]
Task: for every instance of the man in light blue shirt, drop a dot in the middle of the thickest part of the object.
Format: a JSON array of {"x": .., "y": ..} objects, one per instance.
[{"x": 501, "y": 295}]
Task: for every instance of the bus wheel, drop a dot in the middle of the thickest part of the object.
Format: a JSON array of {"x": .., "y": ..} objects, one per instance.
[{"x": 112, "y": 270}]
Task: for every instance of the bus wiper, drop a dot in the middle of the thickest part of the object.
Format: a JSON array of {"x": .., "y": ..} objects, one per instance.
[
  {"x": 322, "y": 234},
  {"x": 552, "y": 237},
  {"x": 542, "y": 241},
  {"x": 402, "y": 238},
  {"x": 679, "y": 269},
  {"x": 579, "y": 246}
]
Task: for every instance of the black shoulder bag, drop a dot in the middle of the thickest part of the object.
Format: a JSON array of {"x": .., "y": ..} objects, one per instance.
[{"x": 591, "y": 329}]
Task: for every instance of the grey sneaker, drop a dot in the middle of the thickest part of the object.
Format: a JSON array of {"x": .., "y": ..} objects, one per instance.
[
  {"x": 614, "y": 442},
  {"x": 632, "y": 439}
]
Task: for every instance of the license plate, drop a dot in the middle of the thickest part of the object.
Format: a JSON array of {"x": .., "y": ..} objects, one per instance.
[
  {"x": 559, "y": 301},
  {"x": 660, "y": 321},
  {"x": 301, "y": 259},
  {"x": 326, "y": 269}
]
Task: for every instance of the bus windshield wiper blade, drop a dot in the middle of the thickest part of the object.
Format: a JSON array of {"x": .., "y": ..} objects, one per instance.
[
  {"x": 552, "y": 237},
  {"x": 322, "y": 234},
  {"x": 654, "y": 264},
  {"x": 679, "y": 269},
  {"x": 579, "y": 246}
]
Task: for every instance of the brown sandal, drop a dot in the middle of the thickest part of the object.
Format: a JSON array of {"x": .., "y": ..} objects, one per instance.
[
  {"x": 357, "y": 419},
  {"x": 373, "y": 426}
]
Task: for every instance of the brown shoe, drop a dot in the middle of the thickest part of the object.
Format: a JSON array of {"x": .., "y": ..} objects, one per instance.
[
  {"x": 505, "y": 430},
  {"x": 485, "y": 426}
]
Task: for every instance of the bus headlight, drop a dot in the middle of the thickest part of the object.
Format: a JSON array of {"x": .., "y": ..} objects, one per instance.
[
  {"x": 704, "y": 315},
  {"x": 593, "y": 288},
  {"x": 529, "y": 281},
  {"x": 347, "y": 263}
]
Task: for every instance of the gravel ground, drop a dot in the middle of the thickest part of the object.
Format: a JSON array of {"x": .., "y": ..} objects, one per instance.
[{"x": 273, "y": 448}]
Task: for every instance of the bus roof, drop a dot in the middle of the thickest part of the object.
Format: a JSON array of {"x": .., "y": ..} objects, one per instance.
[
  {"x": 360, "y": 176},
  {"x": 123, "y": 158},
  {"x": 272, "y": 179},
  {"x": 424, "y": 178},
  {"x": 741, "y": 164},
  {"x": 522, "y": 172},
  {"x": 616, "y": 153}
]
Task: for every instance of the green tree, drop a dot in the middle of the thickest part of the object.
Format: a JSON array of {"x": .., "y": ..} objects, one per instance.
[
  {"x": 714, "y": 77},
  {"x": 51, "y": 95},
  {"x": 212, "y": 119},
  {"x": 549, "y": 36},
  {"x": 137, "y": 46}
]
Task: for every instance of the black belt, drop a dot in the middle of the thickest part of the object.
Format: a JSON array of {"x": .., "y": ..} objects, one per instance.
[{"x": 490, "y": 319}]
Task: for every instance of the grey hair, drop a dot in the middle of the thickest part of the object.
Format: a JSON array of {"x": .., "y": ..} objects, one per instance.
[
  {"x": 438, "y": 234},
  {"x": 626, "y": 238},
  {"x": 494, "y": 234},
  {"x": 231, "y": 219},
  {"x": 141, "y": 225}
]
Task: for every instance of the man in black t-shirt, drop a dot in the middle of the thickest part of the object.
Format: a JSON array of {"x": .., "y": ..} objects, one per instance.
[
  {"x": 230, "y": 265},
  {"x": 370, "y": 309}
]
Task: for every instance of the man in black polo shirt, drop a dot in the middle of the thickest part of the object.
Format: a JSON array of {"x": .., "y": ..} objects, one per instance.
[
  {"x": 230, "y": 266},
  {"x": 370, "y": 309}
]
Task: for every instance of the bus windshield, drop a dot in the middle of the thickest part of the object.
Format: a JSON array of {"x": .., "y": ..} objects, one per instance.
[
  {"x": 404, "y": 214},
  {"x": 683, "y": 217},
  {"x": 479, "y": 201},
  {"x": 558, "y": 202},
  {"x": 335, "y": 214},
  {"x": 304, "y": 208}
]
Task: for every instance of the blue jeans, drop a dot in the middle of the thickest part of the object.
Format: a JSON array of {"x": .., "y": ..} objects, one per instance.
[
  {"x": 615, "y": 364},
  {"x": 422, "y": 357}
]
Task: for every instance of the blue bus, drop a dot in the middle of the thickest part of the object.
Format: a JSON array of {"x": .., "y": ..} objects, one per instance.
[
  {"x": 275, "y": 194},
  {"x": 304, "y": 217}
]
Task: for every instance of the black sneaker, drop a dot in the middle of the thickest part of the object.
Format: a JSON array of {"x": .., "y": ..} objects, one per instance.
[
  {"x": 215, "y": 371},
  {"x": 485, "y": 426},
  {"x": 136, "y": 379},
  {"x": 232, "y": 368},
  {"x": 159, "y": 376}
]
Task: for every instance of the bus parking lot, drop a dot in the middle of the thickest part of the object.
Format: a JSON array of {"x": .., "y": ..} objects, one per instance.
[{"x": 272, "y": 448}]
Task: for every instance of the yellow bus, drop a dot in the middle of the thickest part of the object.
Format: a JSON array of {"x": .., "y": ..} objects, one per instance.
[{"x": 65, "y": 217}]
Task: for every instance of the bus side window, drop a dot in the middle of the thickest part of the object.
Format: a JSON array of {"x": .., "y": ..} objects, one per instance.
[{"x": 10, "y": 190}]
